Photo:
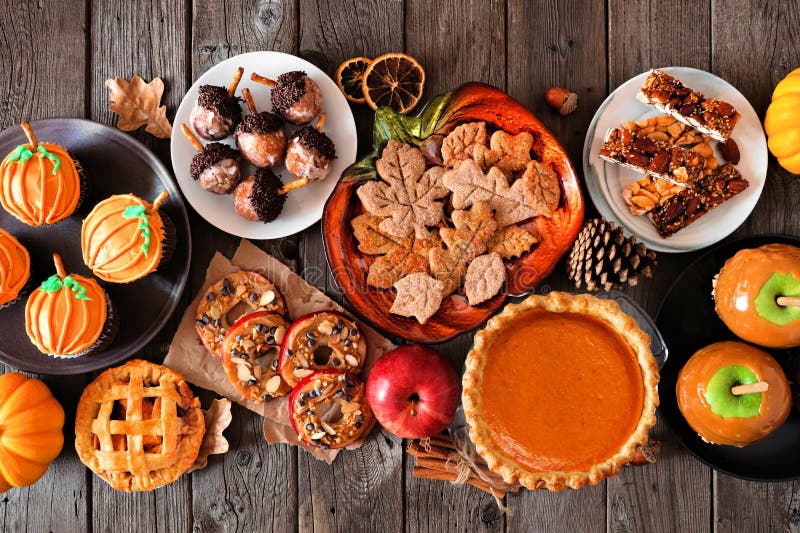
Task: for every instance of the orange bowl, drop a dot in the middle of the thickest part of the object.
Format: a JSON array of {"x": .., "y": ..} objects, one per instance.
[{"x": 470, "y": 102}]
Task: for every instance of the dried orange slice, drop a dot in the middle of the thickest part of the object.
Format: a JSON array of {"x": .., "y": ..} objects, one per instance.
[
  {"x": 395, "y": 80},
  {"x": 348, "y": 77}
]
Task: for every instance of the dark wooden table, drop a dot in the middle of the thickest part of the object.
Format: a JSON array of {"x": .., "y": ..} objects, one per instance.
[{"x": 54, "y": 58}]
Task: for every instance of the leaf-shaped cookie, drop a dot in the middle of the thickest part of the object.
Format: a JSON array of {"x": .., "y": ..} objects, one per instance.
[
  {"x": 485, "y": 277},
  {"x": 511, "y": 241},
  {"x": 137, "y": 104},
  {"x": 371, "y": 240},
  {"x": 407, "y": 257},
  {"x": 510, "y": 153},
  {"x": 407, "y": 194},
  {"x": 467, "y": 240},
  {"x": 418, "y": 295},
  {"x": 470, "y": 185},
  {"x": 541, "y": 188},
  {"x": 461, "y": 142}
]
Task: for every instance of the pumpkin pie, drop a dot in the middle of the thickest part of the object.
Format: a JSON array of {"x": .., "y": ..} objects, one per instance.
[{"x": 559, "y": 391}]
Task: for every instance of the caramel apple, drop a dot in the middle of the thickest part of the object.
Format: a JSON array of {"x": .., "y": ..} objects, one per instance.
[
  {"x": 733, "y": 394},
  {"x": 756, "y": 295}
]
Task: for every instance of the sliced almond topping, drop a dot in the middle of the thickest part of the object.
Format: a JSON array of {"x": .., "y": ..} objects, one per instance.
[
  {"x": 318, "y": 435},
  {"x": 247, "y": 344},
  {"x": 279, "y": 334},
  {"x": 267, "y": 298},
  {"x": 273, "y": 384},
  {"x": 300, "y": 373},
  {"x": 215, "y": 312},
  {"x": 257, "y": 370},
  {"x": 328, "y": 429},
  {"x": 243, "y": 373},
  {"x": 351, "y": 360},
  {"x": 240, "y": 289},
  {"x": 301, "y": 359}
]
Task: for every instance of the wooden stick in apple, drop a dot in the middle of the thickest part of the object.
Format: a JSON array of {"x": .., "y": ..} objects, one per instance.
[
  {"x": 750, "y": 388},
  {"x": 788, "y": 301}
]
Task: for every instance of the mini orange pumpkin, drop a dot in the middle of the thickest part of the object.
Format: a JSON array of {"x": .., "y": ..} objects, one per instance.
[
  {"x": 67, "y": 314},
  {"x": 31, "y": 422}
]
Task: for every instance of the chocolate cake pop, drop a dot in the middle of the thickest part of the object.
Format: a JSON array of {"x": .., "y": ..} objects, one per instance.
[
  {"x": 295, "y": 96},
  {"x": 261, "y": 197},
  {"x": 216, "y": 111},
  {"x": 260, "y": 136},
  {"x": 310, "y": 152},
  {"x": 215, "y": 166}
]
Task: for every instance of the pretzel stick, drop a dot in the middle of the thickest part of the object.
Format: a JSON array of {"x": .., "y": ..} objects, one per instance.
[
  {"x": 29, "y": 133},
  {"x": 237, "y": 76},
  {"x": 292, "y": 185},
  {"x": 258, "y": 78},
  {"x": 158, "y": 201},
  {"x": 789, "y": 301},
  {"x": 251, "y": 105},
  {"x": 759, "y": 386},
  {"x": 191, "y": 137},
  {"x": 321, "y": 121},
  {"x": 59, "y": 266}
]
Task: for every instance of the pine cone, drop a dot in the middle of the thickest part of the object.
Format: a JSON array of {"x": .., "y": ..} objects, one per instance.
[{"x": 603, "y": 258}]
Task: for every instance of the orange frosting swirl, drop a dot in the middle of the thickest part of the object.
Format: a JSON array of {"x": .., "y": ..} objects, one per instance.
[
  {"x": 114, "y": 245},
  {"x": 15, "y": 267},
  {"x": 60, "y": 323},
  {"x": 33, "y": 193}
]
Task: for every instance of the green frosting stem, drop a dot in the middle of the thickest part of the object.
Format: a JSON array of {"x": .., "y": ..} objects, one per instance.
[
  {"x": 22, "y": 153},
  {"x": 51, "y": 156},
  {"x": 55, "y": 284},
  {"x": 139, "y": 211}
]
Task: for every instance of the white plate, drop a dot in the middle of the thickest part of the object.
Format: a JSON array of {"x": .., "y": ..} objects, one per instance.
[
  {"x": 605, "y": 180},
  {"x": 303, "y": 206}
]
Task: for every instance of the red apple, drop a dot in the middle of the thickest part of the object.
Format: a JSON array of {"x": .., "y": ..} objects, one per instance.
[{"x": 413, "y": 391}]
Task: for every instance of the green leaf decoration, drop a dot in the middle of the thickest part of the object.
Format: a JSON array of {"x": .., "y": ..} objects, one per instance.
[
  {"x": 52, "y": 284},
  {"x": 55, "y": 284},
  {"x": 78, "y": 290},
  {"x": 42, "y": 151},
  {"x": 138, "y": 211},
  {"x": 20, "y": 154},
  {"x": 402, "y": 128}
]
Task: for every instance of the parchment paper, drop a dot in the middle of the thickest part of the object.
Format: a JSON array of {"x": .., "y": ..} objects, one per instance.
[{"x": 188, "y": 356}]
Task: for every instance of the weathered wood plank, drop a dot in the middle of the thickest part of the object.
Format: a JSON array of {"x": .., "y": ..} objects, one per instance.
[
  {"x": 566, "y": 49},
  {"x": 362, "y": 488},
  {"x": 253, "y": 487},
  {"x": 29, "y": 90},
  {"x": 754, "y": 61},
  {"x": 148, "y": 39},
  {"x": 673, "y": 494}
]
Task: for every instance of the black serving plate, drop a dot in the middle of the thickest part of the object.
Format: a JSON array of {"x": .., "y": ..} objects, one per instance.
[
  {"x": 688, "y": 322},
  {"x": 115, "y": 163}
]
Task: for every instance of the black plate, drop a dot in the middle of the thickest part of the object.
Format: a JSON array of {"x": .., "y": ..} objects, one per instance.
[
  {"x": 688, "y": 322},
  {"x": 115, "y": 163}
]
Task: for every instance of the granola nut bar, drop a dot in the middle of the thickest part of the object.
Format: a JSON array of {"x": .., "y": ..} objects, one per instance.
[
  {"x": 708, "y": 115},
  {"x": 690, "y": 204}
]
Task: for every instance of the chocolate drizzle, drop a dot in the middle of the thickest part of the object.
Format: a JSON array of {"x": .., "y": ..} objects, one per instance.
[
  {"x": 264, "y": 122},
  {"x": 289, "y": 89},
  {"x": 312, "y": 139},
  {"x": 211, "y": 154},
  {"x": 216, "y": 98},
  {"x": 264, "y": 196}
]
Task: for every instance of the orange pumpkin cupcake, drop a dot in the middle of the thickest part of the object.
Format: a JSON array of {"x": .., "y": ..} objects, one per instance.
[
  {"x": 40, "y": 182},
  {"x": 15, "y": 269},
  {"x": 69, "y": 315},
  {"x": 125, "y": 238}
]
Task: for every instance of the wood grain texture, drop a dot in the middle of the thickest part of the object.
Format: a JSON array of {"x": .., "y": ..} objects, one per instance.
[
  {"x": 754, "y": 61},
  {"x": 28, "y": 90}
]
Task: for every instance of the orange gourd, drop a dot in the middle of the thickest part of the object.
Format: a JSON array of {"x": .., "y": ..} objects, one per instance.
[
  {"x": 31, "y": 422},
  {"x": 782, "y": 122}
]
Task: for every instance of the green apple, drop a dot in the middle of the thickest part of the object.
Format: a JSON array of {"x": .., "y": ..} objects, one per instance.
[
  {"x": 726, "y": 404},
  {"x": 767, "y": 307}
]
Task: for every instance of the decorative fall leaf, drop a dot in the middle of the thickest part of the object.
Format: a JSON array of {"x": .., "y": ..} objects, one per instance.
[
  {"x": 137, "y": 104},
  {"x": 485, "y": 277},
  {"x": 405, "y": 258},
  {"x": 511, "y": 241},
  {"x": 541, "y": 188},
  {"x": 418, "y": 295},
  {"x": 470, "y": 185},
  {"x": 371, "y": 240},
  {"x": 467, "y": 240},
  {"x": 407, "y": 195},
  {"x": 461, "y": 142},
  {"x": 217, "y": 418}
]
